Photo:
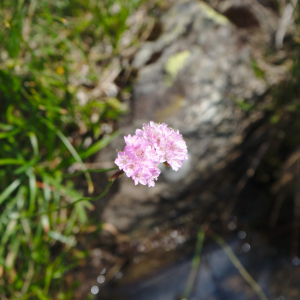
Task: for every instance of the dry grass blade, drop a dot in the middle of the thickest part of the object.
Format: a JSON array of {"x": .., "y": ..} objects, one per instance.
[
  {"x": 28, "y": 279},
  {"x": 27, "y": 23},
  {"x": 235, "y": 261},
  {"x": 285, "y": 21}
]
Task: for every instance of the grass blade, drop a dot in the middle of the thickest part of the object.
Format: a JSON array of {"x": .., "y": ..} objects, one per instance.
[
  {"x": 70, "y": 204},
  {"x": 34, "y": 143},
  {"x": 32, "y": 188},
  {"x": 73, "y": 152},
  {"x": 26, "y": 166},
  {"x": 99, "y": 145},
  {"x": 10, "y": 161},
  {"x": 28, "y": 278},
  {"x": 5, "y": 194},
  {"x": 235, "y": 261},
  {"x": 90, "y": 170},
  {"x": 81, "y": 212},
  {"x": 39, "y": 292},
  {"x": 4, "y": 135},
  {"x": 6, "y": 127},
  {"x": 195, "y": 265},
  {"x": 62, "y": 238}
]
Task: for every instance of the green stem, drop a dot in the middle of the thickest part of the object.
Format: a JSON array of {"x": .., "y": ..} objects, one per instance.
[
  {"x": 235, "y": 261},
  {"x": 195, "y": 265},
  {"x": 89, "y": 170}
]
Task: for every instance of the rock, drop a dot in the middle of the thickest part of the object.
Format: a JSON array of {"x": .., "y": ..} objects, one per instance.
[{"x": 194, "y": 77}]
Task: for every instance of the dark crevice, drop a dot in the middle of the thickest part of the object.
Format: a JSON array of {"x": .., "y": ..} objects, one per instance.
[
  {"x": 155, "y": 33},
  {"x": 154, "y": 57}
]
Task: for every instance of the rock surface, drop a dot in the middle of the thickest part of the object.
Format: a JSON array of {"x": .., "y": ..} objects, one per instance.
[{"x": 195, "y": 77}]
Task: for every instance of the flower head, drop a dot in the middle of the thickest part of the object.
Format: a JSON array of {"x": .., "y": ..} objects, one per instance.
[{"x": 154, "y": 144}]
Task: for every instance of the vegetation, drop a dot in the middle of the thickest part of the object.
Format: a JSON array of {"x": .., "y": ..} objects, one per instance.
[
  {"x": 58, "y": 108},
  {"x": 50, "y": 50}
]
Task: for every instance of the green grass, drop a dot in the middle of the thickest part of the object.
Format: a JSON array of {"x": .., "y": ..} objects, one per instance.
[{"x": 44, "y": 46}]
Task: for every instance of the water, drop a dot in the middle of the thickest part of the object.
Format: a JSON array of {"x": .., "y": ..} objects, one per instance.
[{"x": 217, "y": 278}]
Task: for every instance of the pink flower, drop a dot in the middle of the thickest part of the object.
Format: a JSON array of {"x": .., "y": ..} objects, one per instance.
[{"x": 154, "y": 144}]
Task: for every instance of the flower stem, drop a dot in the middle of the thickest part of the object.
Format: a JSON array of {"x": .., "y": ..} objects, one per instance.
[
  {"x": 116, "y": 176},
  {"x": 167, "y": 164}
]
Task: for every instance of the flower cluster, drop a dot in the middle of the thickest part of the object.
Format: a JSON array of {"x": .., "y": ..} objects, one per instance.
[{"x": 154, "y": 144}]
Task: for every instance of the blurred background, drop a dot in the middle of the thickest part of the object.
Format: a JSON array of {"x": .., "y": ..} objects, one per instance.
[{"x": 76, "y": 76}]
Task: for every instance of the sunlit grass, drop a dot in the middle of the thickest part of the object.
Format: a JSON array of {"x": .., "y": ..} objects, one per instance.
[{"x": 45, "y": 49}]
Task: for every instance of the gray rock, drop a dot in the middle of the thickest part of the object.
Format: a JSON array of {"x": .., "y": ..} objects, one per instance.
[{"x": 202, "y": 70}]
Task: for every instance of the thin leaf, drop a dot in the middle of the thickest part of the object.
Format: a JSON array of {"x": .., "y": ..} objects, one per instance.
[
  {"x": 62, "y": 238},
  {"x": 81, "y": 213},
  {"x": 47, "y": 192},
  {"x": 235, "y": 261},
  {"x": 26, "y": 166},
  {"x": 34, "y": 143},
  {"x": 49, "y": 276},
  {"x": 91, "y": 171},
  {"x": 4, "y": 135},
  {"x": 10, "y": 230},
  {"x": 5, "y": 194},
  {"x": 195, "y": 265},
  {"x": 11, "y": 161},
  {"x": 39, "y": 292},
  {"x": 63, "y": 190},
  {"x": 28, "y": 278},
  {"x": 6, "y": 127},
  {"x": 33, "y": 189},
  {"x": 70, "y": 204},
  {"x": 73, "y": 152},
  {"x": 45, "y": 223},
  {"x": 99, "y": 145}
]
